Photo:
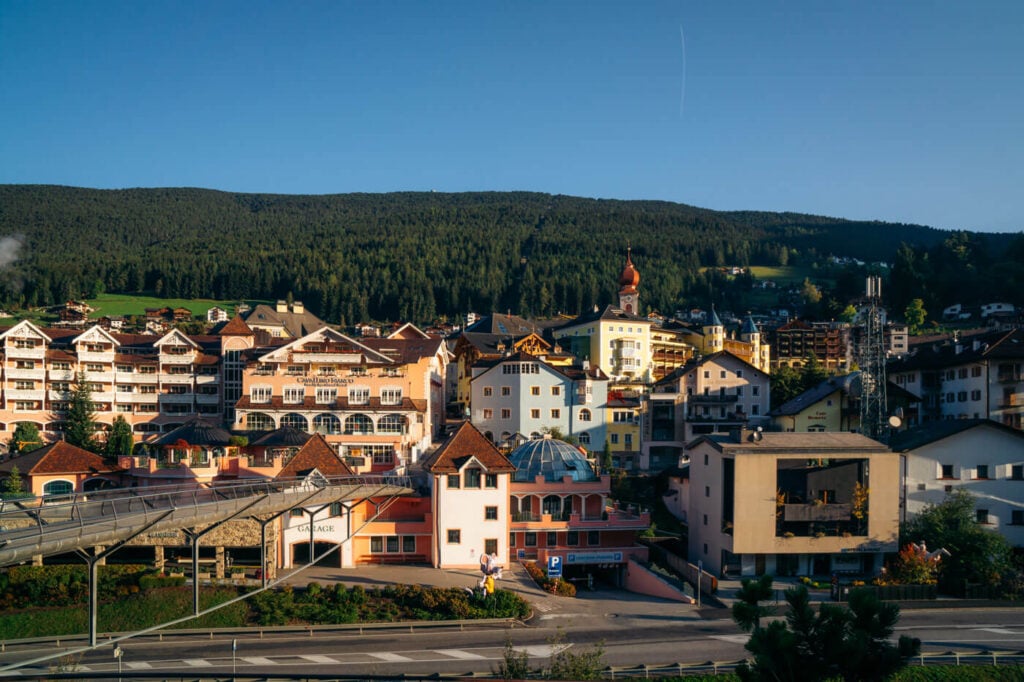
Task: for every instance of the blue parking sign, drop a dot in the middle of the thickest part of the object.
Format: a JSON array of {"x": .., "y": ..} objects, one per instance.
[{"x": 554, "y": 567}]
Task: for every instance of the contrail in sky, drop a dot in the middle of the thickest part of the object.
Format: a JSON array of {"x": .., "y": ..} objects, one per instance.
[{"x": 682, "y": 89}]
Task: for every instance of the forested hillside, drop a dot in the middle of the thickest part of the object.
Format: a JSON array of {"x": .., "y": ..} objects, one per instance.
[{"x": 410, "y": 256}]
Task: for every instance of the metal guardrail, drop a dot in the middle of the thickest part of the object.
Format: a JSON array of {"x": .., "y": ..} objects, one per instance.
[{"x": 65, "y": 521}]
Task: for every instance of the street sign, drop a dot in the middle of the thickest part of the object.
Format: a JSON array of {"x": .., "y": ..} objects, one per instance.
[{"x": 554, "y": 567}]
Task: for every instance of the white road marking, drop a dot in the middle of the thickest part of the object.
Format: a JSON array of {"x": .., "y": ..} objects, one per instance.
[
  {"x": 258, "y": 660},
  {"x": 736, "y": 639},
  {"x": 197, "y": 662},
  {"x": 394, "y": 658},
  {"x": 314, "y": 658},
  {"x": 137, "y": 665},
  {"x": 545, "y": 650},
  {"x": 998, "y": 631},
  {"x": 458, "y": 653}
]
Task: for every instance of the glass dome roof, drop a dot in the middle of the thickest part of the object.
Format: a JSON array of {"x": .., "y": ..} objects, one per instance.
[{"x": 552, "y": 458}]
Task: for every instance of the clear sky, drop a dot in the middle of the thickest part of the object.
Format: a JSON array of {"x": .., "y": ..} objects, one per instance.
[{"x": 905, "y": 110}]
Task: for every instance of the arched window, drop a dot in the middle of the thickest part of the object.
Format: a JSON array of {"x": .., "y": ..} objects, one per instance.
[
  {"x": 257, "y": 421},
  {"x": 535, "y": 435},
  {"x": 97, "y": 483},
  {"x": 392, "y": 423},
  {"x": 584, "y": 415},
  {"x": 146, "y": 428},
  {"x": 295, "y": 421},
  {"x": 584, "y": 438},
  {"x": 552, "y": 505},
  {"x": 326, "y": 424},
  {"x": 58, "y": 488},
  {"x": 358, "y": 424},
  {"x": 489, "y": 436},
  {"x": 505, "y": 436}
]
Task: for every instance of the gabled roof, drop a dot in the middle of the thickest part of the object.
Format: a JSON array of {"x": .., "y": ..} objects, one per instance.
[
  {"x": 570, "y": 372},
  {"x": 177, "y": 333},
  {"x": 931, "y": 432},
  {"x": 696, "y": 363},
  {"x": 58, "y": 458},
  {"x": 816, "y": 394},
  {"x": 25, "y": 324},
  {"x": 315, "y": 454},
  {"x": 997, "y": 345},
  {"x": 236, "y": 326},
  {"x": 408, "y": 331},
  {"x": 325, "y": 333},
  {"x": 297, "y": 324},
  {"x": 94, "y": 331},
  {"x": 503, "y": 325},
  {"x": 465, "y": 443}
]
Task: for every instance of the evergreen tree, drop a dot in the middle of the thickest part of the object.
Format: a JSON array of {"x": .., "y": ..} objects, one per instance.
[
  {"x": 80, "y": 423},
  {"x": 119, "y": 442},
  {"x": 13, "y": 486},
  {"x": 25, "y": 439}
]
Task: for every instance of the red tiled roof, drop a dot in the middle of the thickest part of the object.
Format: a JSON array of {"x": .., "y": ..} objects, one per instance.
[
  {"x": 467, "y": 442},
  {"x": 236, "y": 327},
  {"x": 315, "y": 454},
  {"x": 59, "y": 458}
]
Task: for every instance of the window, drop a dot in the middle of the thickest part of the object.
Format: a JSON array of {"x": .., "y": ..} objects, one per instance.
[
  {"x": 556, "y": 413},
  {"x": 629, "y": 439},
  {"x": 976, "y": 395},
  {"x": 454, "y": 481},
  {"x": 295, "y": 370},
  {"x": 1017, "y": 517},
  {"x": 454, "y": 536},
  {"x": 488, "y": 391},
  {"x": 707, "y": 374},
  {"x": 535, "y": 413},
  {"x": 755, "y": 409},
  {"x": 65, "y": 366},
  {"x": 556, "y": 390},
  {"x": 981, "y": 516},
  {"x": 961, "y": 396},
  {"x": 408, "y": 543},
  {"x": 357, "y": 395},
  {"x": 739, "y": 374},
  {"x": 615, "y": 439},
  {"x": 552, "y": 539},
  {"x": 947, "y": 471},
  {"x": 490, "y": 480},
  {"x": 94, "y": 367},
  {"x": 506, "y": 413},
  {"x": 572, "y": 538},
  {"x": 593, "y": 537},
  {"x": 358, "y": 424},
  {"x": 534, "y": 390},
  {"x": 506, "y": 390},
  {"x": 975, "y": 371},
  {"x": 25, "y": 364},
  {"x": 24, "y": 385},
  {"x": 472, "y": 478},
  {"x": 294, "y": 395},
  {"x": 707, "y": 491},
  {"x": 755, "y": 390},
  {"x": 260, "y": 394},
  {"x": 584, "y": 437},
  {"x": 490, "y": 545},
  {"x": 584, "y": 415},
  {"x": 981, "y": 471},
  {"x": 511, "y": 539},
  {"x": 705, "y": 519},
  {"x": 488, "y": 414},
  {"x": 739, "y": 393},
  {"x": 530, "y": 539},
  {"x": 490, "y": 513},
  {"x": 295, "y": 513},
  {"x": 1017, "y": 472},
  {"x": 58, "y": 488},
  {"x": 391, "y": 396}
]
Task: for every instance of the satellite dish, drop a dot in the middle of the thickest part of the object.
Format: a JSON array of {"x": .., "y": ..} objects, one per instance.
[{"x": 895, "y": 422}]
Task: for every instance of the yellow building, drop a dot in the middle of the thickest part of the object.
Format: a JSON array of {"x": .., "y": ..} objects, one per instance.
[{"x": 792, "y": 503}]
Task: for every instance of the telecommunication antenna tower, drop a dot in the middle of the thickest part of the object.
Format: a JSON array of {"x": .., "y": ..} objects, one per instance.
[{"x": 873, "y": 418}]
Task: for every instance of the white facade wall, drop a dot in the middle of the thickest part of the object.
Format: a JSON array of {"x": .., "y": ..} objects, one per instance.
[
  {"x": 464, "y": 510},
  {"x": 326, "y": 528},
  {"x": 985, "y": 446}
]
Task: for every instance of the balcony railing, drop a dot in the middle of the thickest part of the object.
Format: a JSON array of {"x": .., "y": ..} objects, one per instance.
[
  {"x": 713, "y": 398},
  {"x": 817, "y": 512}
]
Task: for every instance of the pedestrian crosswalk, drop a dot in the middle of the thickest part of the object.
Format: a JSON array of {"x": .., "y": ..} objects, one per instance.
[{"x": 242, "y": 662}]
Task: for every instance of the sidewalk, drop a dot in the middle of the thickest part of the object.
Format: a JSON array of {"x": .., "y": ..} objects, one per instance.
[{"x": 603, "y": 602}]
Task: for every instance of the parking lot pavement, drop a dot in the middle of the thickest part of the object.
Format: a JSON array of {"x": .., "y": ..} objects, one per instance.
[{"x": 603, "y": 602}]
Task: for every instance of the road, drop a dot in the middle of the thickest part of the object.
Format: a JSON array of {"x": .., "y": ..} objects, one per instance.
[{"x": 628, "y": 640}]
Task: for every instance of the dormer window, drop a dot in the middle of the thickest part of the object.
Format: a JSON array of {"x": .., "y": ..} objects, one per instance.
[{"x": 472, "y": 478}]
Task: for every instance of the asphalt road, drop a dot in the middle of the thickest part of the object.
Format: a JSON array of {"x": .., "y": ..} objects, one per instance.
[{"x": 628, "y": 640}]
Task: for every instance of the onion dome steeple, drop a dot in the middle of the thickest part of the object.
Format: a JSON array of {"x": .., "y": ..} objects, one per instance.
[{"x": 628, "y": 281}]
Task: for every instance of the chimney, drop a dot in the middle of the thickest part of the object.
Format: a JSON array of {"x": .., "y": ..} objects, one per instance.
[
  {"x": 298, "y": 308},
  {"x": 282, "y": 307}
]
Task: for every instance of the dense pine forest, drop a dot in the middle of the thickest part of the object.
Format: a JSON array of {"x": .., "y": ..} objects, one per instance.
[{"x": 418, "y": 256}]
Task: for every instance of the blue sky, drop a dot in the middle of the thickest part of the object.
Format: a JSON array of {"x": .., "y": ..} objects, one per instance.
[{"x": 906, "y": 111}]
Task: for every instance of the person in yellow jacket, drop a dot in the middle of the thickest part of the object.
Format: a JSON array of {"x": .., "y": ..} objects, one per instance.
[{"x": 489, "y": 585}]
